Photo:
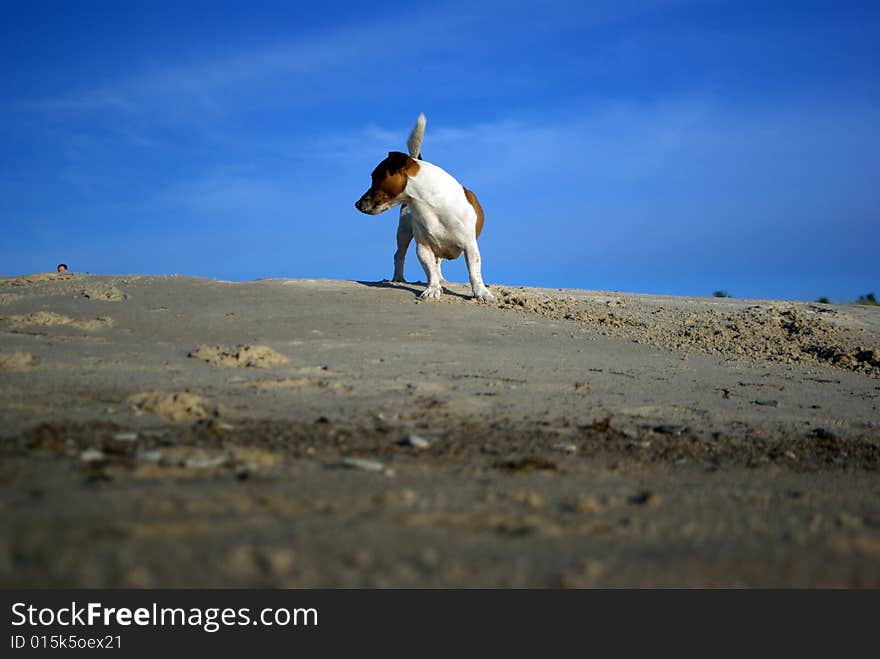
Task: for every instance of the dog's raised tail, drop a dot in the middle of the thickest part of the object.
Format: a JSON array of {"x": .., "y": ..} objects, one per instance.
[{"x": 414, "y": 141}]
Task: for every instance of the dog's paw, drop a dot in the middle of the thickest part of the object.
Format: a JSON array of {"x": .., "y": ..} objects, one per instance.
[
  {"x": 431, "y": 293},
  {"x": 484, "y": 295}
]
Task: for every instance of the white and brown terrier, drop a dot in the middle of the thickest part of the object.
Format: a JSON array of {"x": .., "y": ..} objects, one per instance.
[{"x": 442, "y": 215}]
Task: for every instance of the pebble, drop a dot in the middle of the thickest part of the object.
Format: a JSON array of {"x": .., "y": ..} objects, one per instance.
[
  {"x": 363, "y": 464},
  {"x": 149, "y": 456},
  {"x": 645, "y": 497},
  {"x": 205, "y": 461},
  {"x": 415, "y": 441},
  {"x": 565, "y": 447},
  {"x": 214, "y": 425},
  {"x": 669, "y": 429},
  {"x": 92, "y": 455},
  {"x": 766, "y": 402},
  {"x": 125, "y": 436}
]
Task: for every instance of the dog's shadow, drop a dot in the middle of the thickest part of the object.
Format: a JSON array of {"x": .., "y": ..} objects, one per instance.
[{"x": 408, "y": 286}]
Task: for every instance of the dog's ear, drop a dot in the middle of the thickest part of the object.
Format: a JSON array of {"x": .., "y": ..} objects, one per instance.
[{"x": 402, "y": 163}]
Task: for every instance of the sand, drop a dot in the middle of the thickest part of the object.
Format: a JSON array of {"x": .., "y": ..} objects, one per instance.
[{"x": 175, "y": 431}]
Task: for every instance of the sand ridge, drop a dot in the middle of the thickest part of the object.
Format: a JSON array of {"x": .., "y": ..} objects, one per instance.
[
  {"x": 17, "y": 361},
  {"x": 773, "y": 332},
  {"x": 238, "y": 356},
  {"x": 50, "y": 318},
  {"x": 37, "y": 278}
]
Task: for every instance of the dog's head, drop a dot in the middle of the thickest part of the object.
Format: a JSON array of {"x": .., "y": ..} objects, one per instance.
[{"x": 389, "y": 181}]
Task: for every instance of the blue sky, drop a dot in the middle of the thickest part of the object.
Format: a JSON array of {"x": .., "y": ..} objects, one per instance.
[{"x": 645, "y": 146}]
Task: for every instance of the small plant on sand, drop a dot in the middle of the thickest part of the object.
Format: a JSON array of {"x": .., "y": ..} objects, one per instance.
[
  {"x": 823, "y": 300},
  {"x": 870, "y": 299},
  {"x": 721, "y": 294}
]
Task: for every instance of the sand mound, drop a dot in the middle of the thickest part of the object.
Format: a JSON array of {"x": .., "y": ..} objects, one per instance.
[
  {"x": 286, "y": 382},
  {"x": 786, "y": 335},
  {"x": 568, "y": 309},
  {"x": 8, "y": 298},
  {"x": 239, "y": 356},
  {"x": 50, "y": 318},
  {"x": 179, "y": 406},
  {"x": 17, "y": 361},
  {"x": 778, "y": 335},
  {"x": 37, "y": 278},
  {"x": 106, "y": 293}
]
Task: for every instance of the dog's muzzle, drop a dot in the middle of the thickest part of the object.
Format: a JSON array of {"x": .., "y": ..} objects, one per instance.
[{"x": 365, "y": 206}]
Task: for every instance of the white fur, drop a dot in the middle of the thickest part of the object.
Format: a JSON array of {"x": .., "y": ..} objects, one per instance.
[
  {"x": 404, "y": 227},
  {"x": 416, "y": 136},
  {"x": 444, "y": 226}
]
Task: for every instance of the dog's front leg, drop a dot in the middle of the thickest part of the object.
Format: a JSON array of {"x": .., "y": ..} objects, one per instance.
[
  {"x": 432, "y": 272},
  {"x": 404, "y": 236},
  {"x": 472, "y": 256},
  {"x": 440, "y": 271}
]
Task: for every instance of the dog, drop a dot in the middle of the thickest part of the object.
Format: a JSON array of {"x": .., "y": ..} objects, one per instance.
[{"x": 444, "y": 217}]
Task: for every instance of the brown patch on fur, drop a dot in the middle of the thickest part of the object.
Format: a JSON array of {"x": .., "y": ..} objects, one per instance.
[
  {"x": 473, "y": 201},
  {"x": 391, "y": 175}
]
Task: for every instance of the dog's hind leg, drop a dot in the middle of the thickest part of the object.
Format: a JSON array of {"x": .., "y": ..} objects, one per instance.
[{"x": 404, "y": 237}]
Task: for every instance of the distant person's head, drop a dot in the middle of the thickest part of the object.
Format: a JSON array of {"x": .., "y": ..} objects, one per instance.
[{"x": 62, "y": 267}]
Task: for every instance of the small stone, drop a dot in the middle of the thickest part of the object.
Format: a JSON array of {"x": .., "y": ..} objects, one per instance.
[
  {"x": 214, "y": 425},
  {"x": 125, "y": 436},
  {"x": 205, "y": 461},
  {"x": 533, "y": 500},
  {"x": 363, "y": 464},
  {"x": 415, "y": 441},
  {"x": 588, "y": 504},
  {"x": 667, "y": 429},
  {"x": 645, "y": 497},
  {"x": 565, "y": 447},
  {"x": 280, "y": 559},
  {"x": 91, "y": 455},
  {"x": 766, "y": 402},
  {"x": 149, "y": 455}
]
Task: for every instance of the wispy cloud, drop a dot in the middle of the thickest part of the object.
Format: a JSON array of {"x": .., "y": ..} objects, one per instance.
[
  {"x": 284, "y": 70},
  {"x": 363, "y": 55}
]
